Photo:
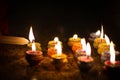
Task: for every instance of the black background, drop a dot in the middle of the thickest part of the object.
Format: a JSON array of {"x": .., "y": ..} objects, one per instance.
[{"x": 64, "y": 18}]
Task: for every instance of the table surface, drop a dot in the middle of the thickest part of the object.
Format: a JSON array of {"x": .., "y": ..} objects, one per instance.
[{"x": 13, "y": 66}]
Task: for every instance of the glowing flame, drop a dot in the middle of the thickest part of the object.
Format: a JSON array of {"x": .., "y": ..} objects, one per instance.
[
  {"x": 75, "y": 36},
  {"x": 33, "y": 47},
  {"x": 97, "y": 33},
  {"x": 101, "y": 35},
  {"x": 107, "y": 39},
  {"x": 83, "y": 42},
  {"x": 88, "y": 49},
  {"x": 56, "y": 39},
  {"x": 112, "y": 53},
  {"x": 31, "y": 36},
  {"x": 58, "y": 47}
]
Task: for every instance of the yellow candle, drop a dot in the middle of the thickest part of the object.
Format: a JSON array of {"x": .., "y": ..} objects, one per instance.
[{"x": 74, "y": 39}]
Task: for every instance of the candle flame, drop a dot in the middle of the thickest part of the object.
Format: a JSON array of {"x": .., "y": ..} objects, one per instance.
[
  {"x": 83, "y": 42},
  {"x": 107, "y": 39},
  {"x": 58, "y": 47},
  {"x": 98, "y": 32},
  {"x": 88, "y": 49},
  {"x": 56, "y": 39},
  {"x": 102, "y": 32},
  {"x": 31, "y": 36},
  {"x": 75, "y": 36},
  {"x": 33, "y": 47},
  {"x": 112, "y": 53}
]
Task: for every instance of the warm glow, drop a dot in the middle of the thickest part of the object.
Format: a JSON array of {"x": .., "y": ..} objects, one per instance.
[
  {"x": 112, "y": 53},
  {"x": 88, "y": 49},
  {"x": 33, "y": 47},
  {"x": 107, "y": 39},
  {"x": 75, "y": 36},
  {"x": 58, "y": 48},
  {"x": 97, "y": 33},
  {"x": 83, "y": 42},
  {"x": 31, "y": 36},
  {"x": 102, "y": 32},
  {"x": 56, "y": 39}
]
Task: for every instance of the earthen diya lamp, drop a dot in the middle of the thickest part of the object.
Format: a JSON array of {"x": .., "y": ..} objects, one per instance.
[
  {"x": 59, "y": 59},
  {"x": 86, "y": 62},
  {"x": 74, "y": 39},
  {"x": 34, "y": 56},
  {"x": 112, "y": 65}
]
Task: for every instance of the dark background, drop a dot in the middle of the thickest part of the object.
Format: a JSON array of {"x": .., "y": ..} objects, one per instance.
[{"x": 64, "y": 18}]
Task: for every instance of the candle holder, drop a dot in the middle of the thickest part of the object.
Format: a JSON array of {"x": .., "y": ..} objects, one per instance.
[
  {"x": 112, "y": 70},
  {"x": 71, "y": 41},
  {"x": 85, "y": 63},
  {"x": 33, "y": 57},
  {"x": 59, "y": 61}
]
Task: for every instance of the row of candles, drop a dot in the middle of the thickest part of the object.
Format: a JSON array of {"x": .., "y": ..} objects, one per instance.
[{"x": 80, "y": 48}]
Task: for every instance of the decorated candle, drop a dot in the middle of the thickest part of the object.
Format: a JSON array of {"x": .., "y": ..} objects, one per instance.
[{"x": 73, "y": 40}]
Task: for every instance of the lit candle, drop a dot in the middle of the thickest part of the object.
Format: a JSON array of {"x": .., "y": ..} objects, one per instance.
[
  {"x": 103, "y": 48},
  {"x": 33, "y": 56},
  {"x": 88, "y": 57},
  {"x": 74, "y": 39},
  {"x": 100, "y": 40},
  {"x": 111, "y": 66},
  {"x": 32, "y": 39},
  {"x": 80, "y": 50},
  {"x": 112, "y": 62},
  {"x": 85, "y": 62},
  {"x": 59, "y": 54},
  {"x": 59, "y": 59},
  {"x": 95, "y": 35},
  {"x": 52, "y": 43}
]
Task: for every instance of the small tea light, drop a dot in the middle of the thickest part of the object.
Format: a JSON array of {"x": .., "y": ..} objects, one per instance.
[
  {"x": 34, "y": 57},
  {"x": 54, "y": 42},
  {"x": 111, "y": 67},
  {"x": 104, "y": 47},
  {"x": 74, "y": 39},
  {"x": 86, "y": 61},
  {"x": 60, "y": 58},
  {"x": 112, "y": 63},
  {"x": 100, "y": 40}
]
